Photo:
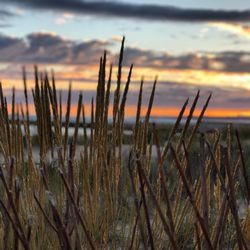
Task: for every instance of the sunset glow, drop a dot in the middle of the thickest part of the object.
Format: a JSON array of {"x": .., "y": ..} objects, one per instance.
[{"x": 185, "y": 52}]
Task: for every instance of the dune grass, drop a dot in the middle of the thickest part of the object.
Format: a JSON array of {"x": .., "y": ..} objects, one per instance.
[{"x": 98, "y": 200}]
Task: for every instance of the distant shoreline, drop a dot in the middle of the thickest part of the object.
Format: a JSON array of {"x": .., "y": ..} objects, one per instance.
[{"x": 171, "y": 120}]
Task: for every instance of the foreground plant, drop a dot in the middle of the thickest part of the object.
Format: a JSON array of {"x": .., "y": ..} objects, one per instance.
[{"x": 100, "y": 201}]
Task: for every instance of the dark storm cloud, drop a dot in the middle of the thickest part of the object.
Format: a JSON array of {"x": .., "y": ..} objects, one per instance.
[
  {"x": 228, "y": 61},
  {"x": 5, "y": 14},
  {"x": 48, "y": 48},
  {"x": 4, "y": 17},
  {"x": 142, "y": 11},
  {"x": 7, "y": 41}
]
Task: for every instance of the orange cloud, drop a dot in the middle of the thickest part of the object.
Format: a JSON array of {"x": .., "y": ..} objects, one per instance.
[
  {"x": 196, "y": 77},
  {"x": 185, "y": 82},
  {"x": 235, "y": 28},
  {"x": 87, "y": 79}
]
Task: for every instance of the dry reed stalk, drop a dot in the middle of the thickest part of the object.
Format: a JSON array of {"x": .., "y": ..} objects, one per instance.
[
  {"x": 67, "y": 118},
  {"x": 134, "y": 228},
  {"x": 221, "y": 219},
  {"x": 198, "y": 122},
  {"x": 178, "y": 147},
  {"x": 15, "y": 228},
  {"x": 244, "y": 168},
  {"x": 150, "y": 235},
  {"x": 164, "y": 183},
  {"x": 99, "y": 97},
  {"x": 204, "y": 184},
  {"x": 14, "y": 209},
  {"x": 106, "y": 104},
  {"x": 226, "y": 204},
  {"x": 77, "y": 122},
  {"x": 89, "y": 198},
  {"x": 44, "y": 213},
  {"x": 173, "y": 131},
  {"x": 246, "y": 226},
  {"x": 240, "y": 237},
  {"x": 146, "y": 122},
  {"x": 188, "y": 121},
  {"x": 191, "y": 198},
  {"x": 197, "y": 236},
  {"x": 136, "y": 201},
  {"x": 180, "y": 183},
  {"x": 138, "y": 115},
  {"x": 124, "y": 97},
  {"x": 76, "y": 209},
  {"x": 118, "y": 86},
  {"x": 156, "y": 203},
  {"x": 63, "y": 236},
  {"x": 85, "y": 137}
]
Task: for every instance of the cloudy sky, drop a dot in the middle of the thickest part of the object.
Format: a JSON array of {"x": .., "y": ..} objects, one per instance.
[{"x": 189, "y": 45}]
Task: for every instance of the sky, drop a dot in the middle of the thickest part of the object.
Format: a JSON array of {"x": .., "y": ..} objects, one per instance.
[{"x": 190, "y": 45}]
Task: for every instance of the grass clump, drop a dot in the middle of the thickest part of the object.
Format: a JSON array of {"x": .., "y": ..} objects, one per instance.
[{"x": 80, "y": 193}]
